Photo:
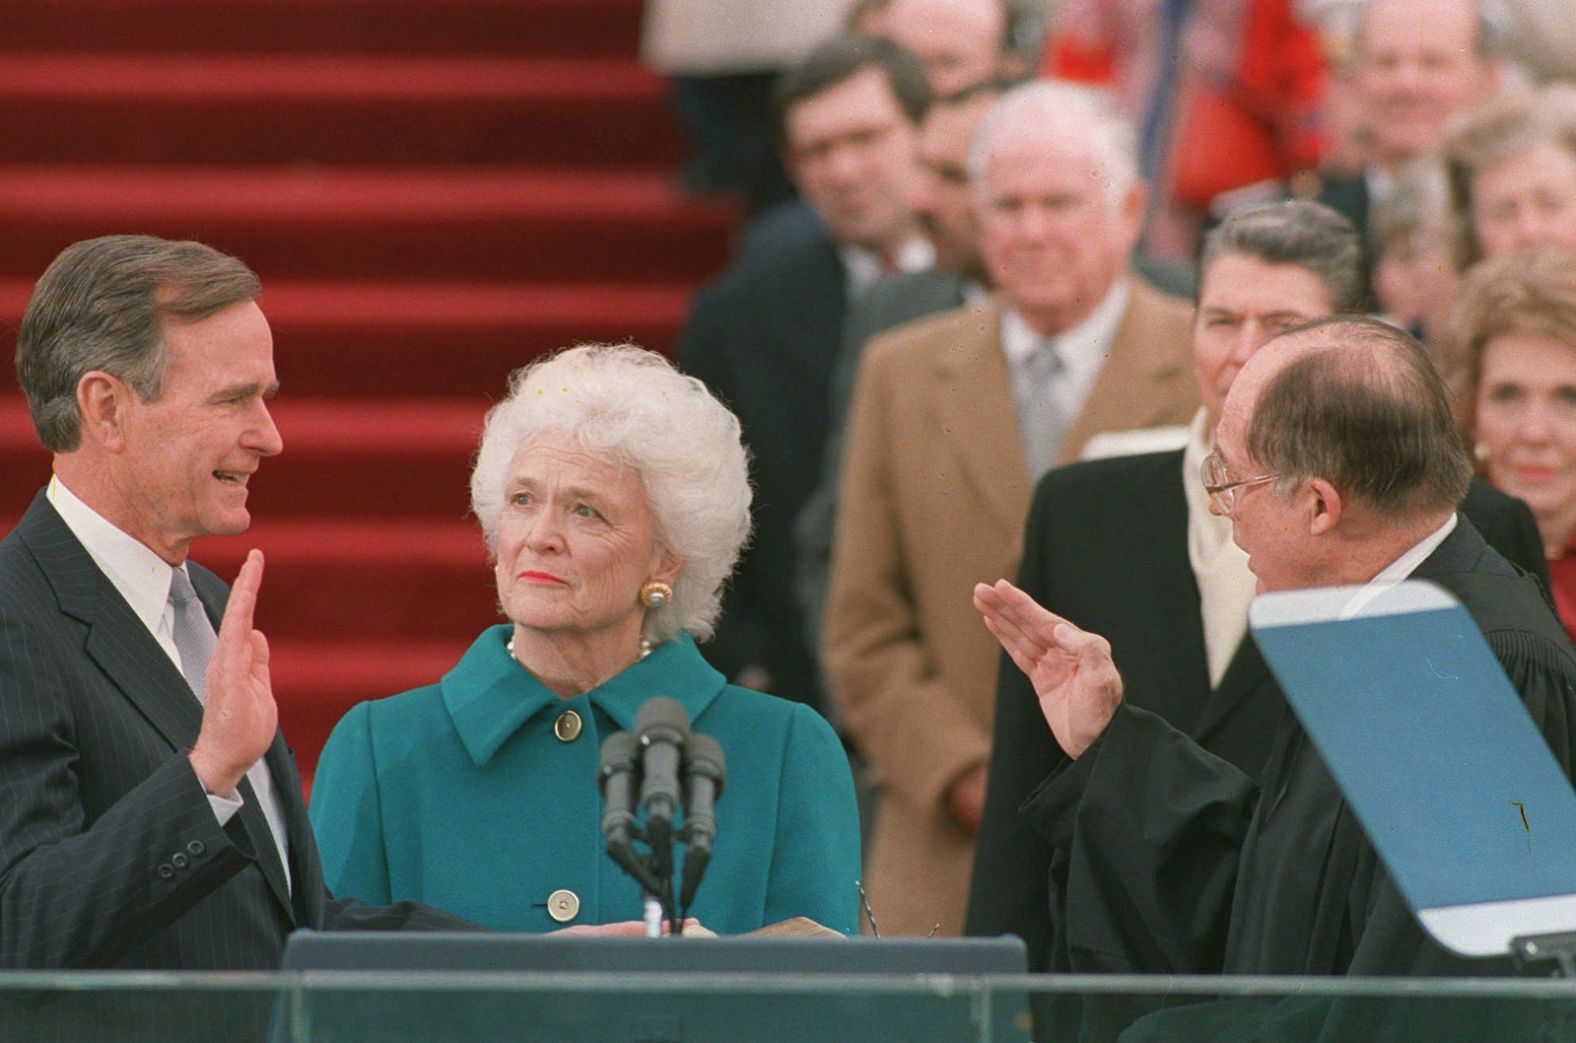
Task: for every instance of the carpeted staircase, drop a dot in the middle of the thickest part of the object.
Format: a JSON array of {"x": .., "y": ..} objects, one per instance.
[{"x": 433, "y": 192}]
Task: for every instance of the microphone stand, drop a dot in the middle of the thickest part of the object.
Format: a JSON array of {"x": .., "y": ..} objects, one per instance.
[{"x": 629, "y": 763}]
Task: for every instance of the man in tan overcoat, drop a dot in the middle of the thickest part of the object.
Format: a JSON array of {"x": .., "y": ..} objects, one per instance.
[{"x": 954, "y": 417}]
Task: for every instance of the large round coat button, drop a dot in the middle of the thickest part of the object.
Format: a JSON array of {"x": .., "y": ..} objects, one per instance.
[
  {"x": 567, "y": 727},
  {"x": 563, "y": 905}
]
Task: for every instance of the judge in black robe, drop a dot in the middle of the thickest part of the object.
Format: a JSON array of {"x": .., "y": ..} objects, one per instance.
[
  {"x": 1180, "y": 863},
  {"x": 1106, "y": 547},
  {"x": 1216, "y": 872}
]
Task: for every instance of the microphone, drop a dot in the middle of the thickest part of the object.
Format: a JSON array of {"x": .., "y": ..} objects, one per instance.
[
  {"x": 703, "y": 782},
  {"x": 661, "y": 728},
  {"x": 617, "y": 774}
]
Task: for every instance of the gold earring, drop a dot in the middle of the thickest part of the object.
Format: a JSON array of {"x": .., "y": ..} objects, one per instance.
[{"x": 655, "y": 594}]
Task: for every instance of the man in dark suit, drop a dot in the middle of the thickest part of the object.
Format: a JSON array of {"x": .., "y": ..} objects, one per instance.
[
  {"x": 152, "y": 814},
  {"x": 1337, "y": 461},
  {"x": 944, "y": 206},
  {"x": 1127, "y": 548},
  {"x": 764, "y": 335}
]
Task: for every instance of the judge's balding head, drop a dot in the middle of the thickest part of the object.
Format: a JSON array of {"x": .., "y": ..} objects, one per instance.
[{"x": 1339, "y": 451}]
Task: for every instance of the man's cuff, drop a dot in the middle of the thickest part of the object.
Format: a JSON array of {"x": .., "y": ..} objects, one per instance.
[{"x": 224, "y": 808}]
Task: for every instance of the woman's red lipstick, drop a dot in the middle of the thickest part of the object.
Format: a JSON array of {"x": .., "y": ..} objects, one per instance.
[{"x": 533, "y": 576}]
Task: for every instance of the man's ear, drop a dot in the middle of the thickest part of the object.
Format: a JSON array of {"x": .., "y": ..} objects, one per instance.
[
  {"x": 103, "y": 400},
  {"x": 1326, "y": 506}
]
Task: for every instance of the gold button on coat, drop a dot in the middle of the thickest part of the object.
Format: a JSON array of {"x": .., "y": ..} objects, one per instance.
[
  {"x": 567, "y": 727},
  {"x": 563, "y": 905}
]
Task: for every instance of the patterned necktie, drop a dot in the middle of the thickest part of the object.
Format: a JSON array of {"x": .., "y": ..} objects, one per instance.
[
  {"x": 1041, "y": 421},
  {"x": 194, "y": 634}
]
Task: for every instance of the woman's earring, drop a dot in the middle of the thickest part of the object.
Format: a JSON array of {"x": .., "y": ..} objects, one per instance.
[
  {"x": 1480, "y": 452},
  {"x": 655, "y": 594}
]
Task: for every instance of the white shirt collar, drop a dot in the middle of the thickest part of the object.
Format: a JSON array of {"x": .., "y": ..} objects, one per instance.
[
  {"x": 865, "y": 267},
  {"x": 1081, "y": 348},
  {"x": 141, "y": 576},
  {"x": 1399, "y": 569}
]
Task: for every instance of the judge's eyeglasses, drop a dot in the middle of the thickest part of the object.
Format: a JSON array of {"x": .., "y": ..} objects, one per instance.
[{"x": 1221, "y": 487}]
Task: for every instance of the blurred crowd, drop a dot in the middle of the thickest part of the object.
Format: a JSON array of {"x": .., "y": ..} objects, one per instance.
[{"x": 974, "y": 257}]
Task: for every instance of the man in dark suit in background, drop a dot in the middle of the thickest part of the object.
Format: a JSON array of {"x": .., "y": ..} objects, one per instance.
[
  {"x": 1127, "y": 548},
  {"x": 943, "y": 203},
  {"x": 151, "y": 813},
  {"x": 764, "y": 335}
]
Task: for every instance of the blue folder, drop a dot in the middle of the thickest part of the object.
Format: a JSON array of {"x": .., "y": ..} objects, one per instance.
[{"x": 1436, "y": 755}]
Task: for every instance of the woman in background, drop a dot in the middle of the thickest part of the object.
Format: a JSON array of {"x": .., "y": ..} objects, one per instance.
[
  {"x": 1512, "y": 169},
  {"x": 1512, "y": 342}
]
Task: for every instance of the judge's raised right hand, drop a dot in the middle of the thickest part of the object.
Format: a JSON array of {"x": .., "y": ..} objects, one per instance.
[
  {"x": 1071, "y": 669},
  {"x": 239, "y": 716}
]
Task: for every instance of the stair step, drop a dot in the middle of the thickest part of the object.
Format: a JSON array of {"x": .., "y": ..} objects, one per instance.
[
  {"x": 517, "y": 224},
  {"x": 380, "y": 579},
  {"x": 534, "y": 27},
  {"x": 443, "y": 339},
  {"x": 317, "y": 681},
  {"x": 343, "y": 459},
  {"x": 346, "y": 109},
  {"x": 375, "y": 580}
]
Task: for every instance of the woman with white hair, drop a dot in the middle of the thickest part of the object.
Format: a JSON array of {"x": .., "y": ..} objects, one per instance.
[{"x": 614, "y": 497}]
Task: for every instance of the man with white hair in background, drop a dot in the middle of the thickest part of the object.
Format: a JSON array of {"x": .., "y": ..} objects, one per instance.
[{"x": 952, "y": 420}]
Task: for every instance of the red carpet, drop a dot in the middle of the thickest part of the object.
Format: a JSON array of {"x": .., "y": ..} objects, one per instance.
[{"x": 433, "y": 191}]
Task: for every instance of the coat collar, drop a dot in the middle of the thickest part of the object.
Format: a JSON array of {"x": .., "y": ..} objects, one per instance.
[
  {"x": 1131, "y": 389},
  {"x": 117, "y": 639},
  {"x": 489, "y": 696}
]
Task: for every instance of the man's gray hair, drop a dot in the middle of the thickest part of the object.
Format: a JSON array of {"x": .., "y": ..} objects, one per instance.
[
  {"x": 101, "y": 305},
  {"x": 1077, "y": 113},
  {"x": 1306, "y": 234},
  {"x": 630, "y": 406}
]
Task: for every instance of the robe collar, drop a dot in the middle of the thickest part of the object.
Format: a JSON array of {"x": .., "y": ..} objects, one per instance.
[{"x": 489, "y": 696}]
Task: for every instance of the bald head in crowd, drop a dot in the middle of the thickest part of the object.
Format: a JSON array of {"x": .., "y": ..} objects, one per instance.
[
  {"x": 960, "y": 42},
  {"x": 1419, "y": 63}
]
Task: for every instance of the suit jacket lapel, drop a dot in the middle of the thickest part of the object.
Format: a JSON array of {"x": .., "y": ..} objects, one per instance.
[
  {"x": 117, "y": 640},
  {"x": 1123, "y": 396},
  {"x": 1155, "y": 521},
  {"x": 978, "y": 423}
]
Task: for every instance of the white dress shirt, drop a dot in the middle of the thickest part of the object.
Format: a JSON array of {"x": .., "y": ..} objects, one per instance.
[
  {"x": 1392, "y": 574},
  {"x": 865, "y": 267}
]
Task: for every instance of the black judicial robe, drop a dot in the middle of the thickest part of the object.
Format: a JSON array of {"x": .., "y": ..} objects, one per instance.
[
  {"x": 1106, "y": 547},
  {"x": 1182, "y": 865}
]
